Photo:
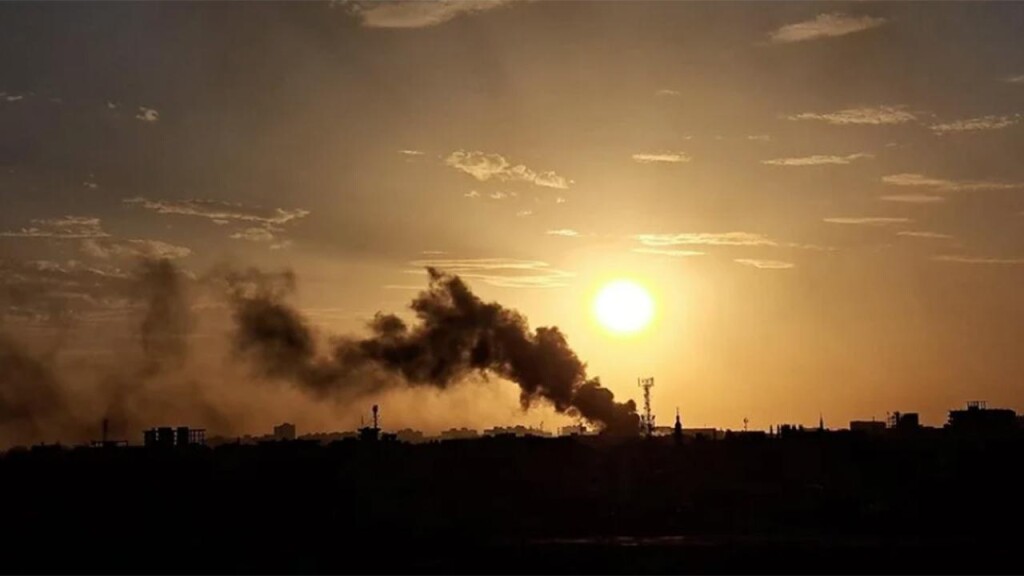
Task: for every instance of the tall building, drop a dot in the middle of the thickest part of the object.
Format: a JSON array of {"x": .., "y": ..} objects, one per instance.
[{"x": 285, "y": 431}]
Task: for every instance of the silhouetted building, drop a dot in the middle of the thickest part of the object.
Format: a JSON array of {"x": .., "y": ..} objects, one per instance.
[
  {"x": 977, "y": 418},
  {"x": 867, "y": 427},
  {"x": 284, "y": 431},
  {"x": 459, "y": 434},
  {"x": 409, "y": 435},
  {"x": 904, "y": 421},
  {"x": 677, "y": 430},
  {"x": 516, "y": 431},
  {"x": 168, "y": 437},
  {"x": 573, "y": 430}
]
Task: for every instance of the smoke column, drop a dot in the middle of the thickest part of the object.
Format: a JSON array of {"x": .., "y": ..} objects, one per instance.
[{"x": 456, "y": 335}]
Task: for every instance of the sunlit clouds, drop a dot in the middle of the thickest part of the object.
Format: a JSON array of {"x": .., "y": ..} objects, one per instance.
[
  {"x": 415, "y": 14},
  {"x": 944, "y": 185},
  {"x": 703, "y": 238},
  {"x": 924, "y": 234},
  {"x": 766, "y": 264},
  {"x": 147, "y": 114},
  {"x": 914, "y": 198},
  {"x": 662, "y": 157},
  {"x": 65, "y": 227},
  {"x": 484, "y": 166},
  {"x": 867, "y": 220},
  {"x": 501, "y": 272},
  {"x": 870, "y": 116},
  {"x": 976, "y": 124},
  {"x": 825, "y": 26},
  {"x": 816, "y": 160}
]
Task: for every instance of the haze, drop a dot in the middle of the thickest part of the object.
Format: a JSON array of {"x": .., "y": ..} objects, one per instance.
[{"x": 823, "y": 200}]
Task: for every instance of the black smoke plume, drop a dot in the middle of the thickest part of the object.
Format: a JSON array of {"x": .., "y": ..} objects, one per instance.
[
  {"x": 30, "y": 394},
  {"x": 456, "y": 335},
  {"x": 165, "y": 327}
]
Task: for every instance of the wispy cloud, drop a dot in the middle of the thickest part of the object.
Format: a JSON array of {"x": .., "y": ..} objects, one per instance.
[
  {"x": 503, "y": 272},
  {"x": 472, "y": 194},
  {"x": 975, "y": 124},
  {"x": 708, "y": 239},
  {"x": 254, "y": 235},
  {"x": 569, "y": 233},
  {"x": 825, "y": 26},
  {"x": 923, "y": 234},
  {"x": 663, "y": 157},
  {"x": 1017, "y": 79},
  {"x": 411, "y": 152},
  {"x": 11, "y": 97},
  {"x": 816, "y": 160},
  {"x": 667, "y": 92},
  {"x": 218, "y": 210},
  {"x": 766, "y": 264},
  {"x": 867, "y": 115},
  {"x": 674, "y": 253},
  {"x": 975, "y": 260},
  {"x": 914, "y": 198},
  {"x": 867, "y": 220},
  {"x": 65, "y": 227},
  {"x": 483, "y": 167},
  {"x": 759, "y": 138},
  {"x": 948, "y": 185},
  {"x": 416, "y": 14},
  {"x": 147, "y": 114},
  {"x": 524, "y": 213},
  {"x": 106, "y": 249}
]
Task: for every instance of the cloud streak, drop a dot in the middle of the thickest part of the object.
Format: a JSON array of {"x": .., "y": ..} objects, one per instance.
[
  {"x": 816, "y": 160},
  {"x": 867, "y": 220},
  {"x": 924, "y": 234},
  {"x": 914, "y": 198},
  {"x": 948, "y": 185},
  {"x": 416, "y": 14},
  {"x": 867, "y": 115},
  {"x": 976, "y": 124},
  {"x": 484, "y": 167},
  {"x": 65, "y": 228},
  {"x": 137, "y": 248},
  {"x": 707, "y": 239},
  {"x": 824, "y": 26},
  {"x": 976, "y": 260},
  {"x": 662, "y": 158},
  {"x": 668, "y": 252},
  {"x": 501, "y": 272},
  {"x": 765, "y": 264},
  {"x": 566, "y": 232},
  {"x": 218, "y": 210}
]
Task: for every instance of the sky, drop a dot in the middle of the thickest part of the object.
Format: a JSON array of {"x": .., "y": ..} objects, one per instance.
[{"x": 823, "y": 199}]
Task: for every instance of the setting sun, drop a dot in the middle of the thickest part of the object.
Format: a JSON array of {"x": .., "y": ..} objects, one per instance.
[{"x": 623, "y": 307}]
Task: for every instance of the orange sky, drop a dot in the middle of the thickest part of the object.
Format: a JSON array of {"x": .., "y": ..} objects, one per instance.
[{"x": 824, "y": 200}]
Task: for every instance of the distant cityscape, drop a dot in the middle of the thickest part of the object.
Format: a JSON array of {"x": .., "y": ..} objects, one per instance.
[{"x": 975, "y": 418}]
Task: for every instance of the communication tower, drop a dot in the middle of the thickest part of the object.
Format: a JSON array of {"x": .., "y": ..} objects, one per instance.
[{"x": 647, "y": 419}]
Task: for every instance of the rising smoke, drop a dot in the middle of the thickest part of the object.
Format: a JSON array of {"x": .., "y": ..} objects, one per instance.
[{"x": 456, "y": 335}]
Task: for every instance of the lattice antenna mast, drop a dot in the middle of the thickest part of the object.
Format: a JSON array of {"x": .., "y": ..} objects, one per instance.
[{"x": 647, "y": 419}]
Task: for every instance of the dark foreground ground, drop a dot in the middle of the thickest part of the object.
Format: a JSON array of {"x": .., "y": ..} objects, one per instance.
[{"x": 809, "y": 504}]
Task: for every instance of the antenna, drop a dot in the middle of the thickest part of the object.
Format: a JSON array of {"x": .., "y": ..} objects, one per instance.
[
  {"x": 376, "y": 419},
  {"x": 647, "y": 419},
  {"x": 745, "y": 422}
]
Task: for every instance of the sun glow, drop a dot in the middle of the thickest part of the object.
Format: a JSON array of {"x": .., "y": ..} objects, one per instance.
[{"x": 623, "y": 307}]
